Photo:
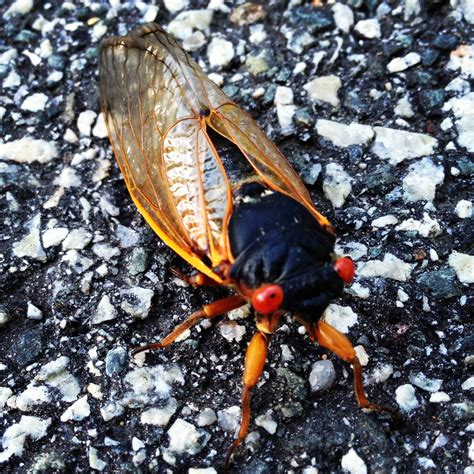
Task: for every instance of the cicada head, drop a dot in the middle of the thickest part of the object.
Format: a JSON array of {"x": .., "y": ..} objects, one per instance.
[{"x": 283, "y": 258}]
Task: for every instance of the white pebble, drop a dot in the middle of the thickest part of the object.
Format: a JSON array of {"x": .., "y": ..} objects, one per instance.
[
  {"x": 174, "y": 6},
  {"x": 85, "y": 121},
  {"x": 34, "y": 313},
  {"x": 421, "y": 181},
  {"x": 19, "y": 7},
  {"x": 28, "y": 150},
  {"x": 463, "y": 209},
  {"x": 337, "y": 184},
  {"x": 77, "y": 411},
  {"x": 384, "y": 221},
  {"x": 322, "y": 375},
  {"x": 30, "y": 245},
  {"x": 324, "y": 89},
  {"x": 351, "y": 462},
  {"x": 267, "y": 423},
  {"x": 232, "y": 331},
  {"x": 464, "y": 266},
  {"x": 420, "y": 380},
  {"x": 35, "y": 102},
  {"x": 53, "y": 237},
  {"x": 401, "y": 64},
  {"x": 340, "y": 317},
  {"x": 184, "y": 437},
  {"x": 14, "y": 437},
  {"x": 77, "y": 239},
  {"x": 105, "y": 311},
  {"x": 137, "y": 301},
  {"x": 344, "y": 135},
  {"x": 398, "y": 145},
  {"x": 440, "y": 397},
  {"x": 390, "y": 267},
  {"x": 220, "y": 52},
  {"x": 468, "y": 384},
  {"x": 94, "y": 460},
  {"x": 406, "y": 398},
  {"x": 368, "y": 28},
  {"x": 185, "y": 22},
  {"x": 229, "y": 418},
  {"x": 343, "y": 17},
  {"x": 206, "y": 417}
]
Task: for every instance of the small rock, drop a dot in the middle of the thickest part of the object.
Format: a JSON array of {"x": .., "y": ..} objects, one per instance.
[
  {"x": 94, "y": 461},
  {"x": 351, "y": 462},
  {"x": 406, "y": 398},
  {"x": 77, "y": 411},
  {"x": 441, "y": 283},
  {"x": 115, "y": 361},
  {"x": 195, "y": 41},
  {"x": 391, "y": 267},
  {"x": 247, "y": 14},
  {"x": 343, "y": 16},
  {"x": 401, "y": 64},
  {"x": 463, "y": 209},
  {"x": 340, "y": 317},
  {"x": 53, "y": 237},
  {"x": 159, "y": 416},
  {"x": 427, "y": 227},
  {"x": 220, "y": 52},
  {"x": 85, "y": 121},
  {"x": 185, "y": 22},
  {"x": 421, "y": 181},
  {"x": 440, "y": 397},
  {"x": 33, "y": 312},
  {"x": 257, "y": 64},
  {"x": 267, "y": 423},
  {"x": 77, "y": 239},
  {"x": 30, "y": 245},
  {"x": 35, "y": 102},
  {"x": 28, "y": 346},
  {"x": 185, "y": 438},
  {"x": 404, "y": 108},
  {"x": 384, "y": 221},
  {"x": 206, "y": 417},
  {"x": 337, "y": 184},
  {"x": 14, "y": 437},
  {"x": 422, "y": 381},
  {"x": 322, "y": 375},
  {"x": 431, "y": 100},
  {"x": 324, "y": 89},
  {"x": 344, "y": 135},
  {"x": 232, "y": 331},
  {"x": 175, "y": 6},
  {"x": 229, "y": 418},
  {"x": 398, "y": 145},
  {"x": 137, "y": 301},
  {"x": 105, "y": 311},
  {"x": 368, "y": 28},
  {"x": 468, "y": 384},
  {"x": 464, "y": 266}
]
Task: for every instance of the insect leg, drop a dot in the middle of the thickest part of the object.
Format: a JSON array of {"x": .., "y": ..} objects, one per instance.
[
  {"x": 208, "y": 311},
  {"x": 254, "y": 362},
  {"x": 199, "y": 279},
  {"x": 338, "y": 343}
]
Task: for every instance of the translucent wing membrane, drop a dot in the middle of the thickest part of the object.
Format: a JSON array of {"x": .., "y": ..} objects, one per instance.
[{"x": 157, "y": 103}]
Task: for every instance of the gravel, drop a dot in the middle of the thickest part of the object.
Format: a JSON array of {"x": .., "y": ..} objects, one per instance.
[{"x": 373, "y": 104}]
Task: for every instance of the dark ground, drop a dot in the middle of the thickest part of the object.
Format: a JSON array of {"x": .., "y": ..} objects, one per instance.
[{"x": 430, "y": 332}]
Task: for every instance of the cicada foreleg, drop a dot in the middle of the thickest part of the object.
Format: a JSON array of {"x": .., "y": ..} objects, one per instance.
[
  {"x": 198, "y": 279},
  {"x": 208, "y": 311}
]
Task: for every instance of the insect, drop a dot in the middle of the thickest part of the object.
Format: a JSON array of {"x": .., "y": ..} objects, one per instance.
[{"x": 221, "y": 195}]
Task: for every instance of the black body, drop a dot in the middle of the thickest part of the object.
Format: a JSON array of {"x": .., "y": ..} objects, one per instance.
[{"x": 274, "y": 239}]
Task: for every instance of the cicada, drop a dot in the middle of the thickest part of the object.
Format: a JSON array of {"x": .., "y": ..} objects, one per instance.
[{"x": 217, "y": 191}]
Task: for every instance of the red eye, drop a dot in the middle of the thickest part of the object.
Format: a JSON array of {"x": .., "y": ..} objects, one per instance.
[
  {"x": 268, "y": 298},
  {"x": 345, "y": 268}
]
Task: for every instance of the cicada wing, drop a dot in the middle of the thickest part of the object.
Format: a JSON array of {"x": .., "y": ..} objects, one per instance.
[
  {"x": 169, "y": 166},
  {"x": 272, "y": 167}
]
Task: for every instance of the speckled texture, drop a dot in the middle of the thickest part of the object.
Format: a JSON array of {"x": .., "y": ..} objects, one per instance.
[{"x": 76, "y": 299}]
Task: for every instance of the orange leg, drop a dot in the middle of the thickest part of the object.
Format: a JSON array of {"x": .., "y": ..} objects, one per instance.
[
  {"x": 254, "y": 362},
  {"x": 208, "y": 311},
  {"x": 199, "y": 279},
  {"x": 336, "y": 342}
]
